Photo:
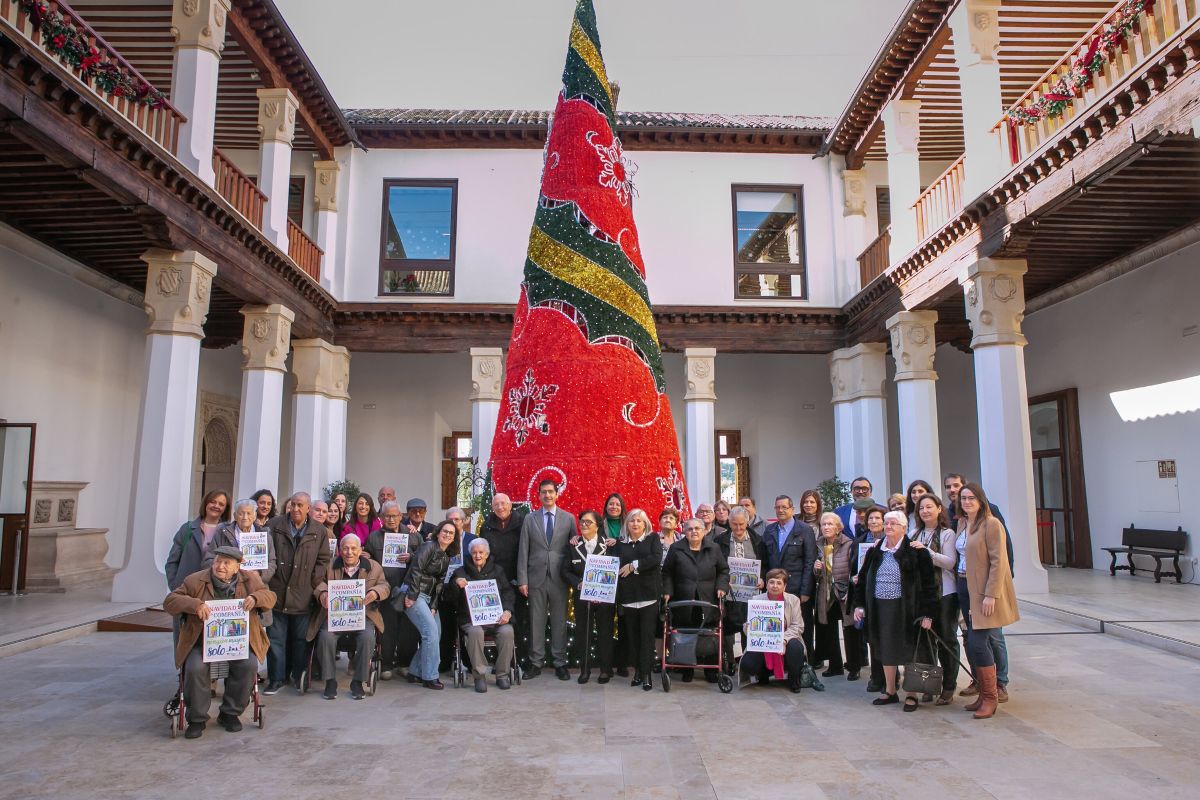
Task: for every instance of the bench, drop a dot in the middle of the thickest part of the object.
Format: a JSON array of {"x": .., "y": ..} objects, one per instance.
[{"x": 1146, "y": 542}]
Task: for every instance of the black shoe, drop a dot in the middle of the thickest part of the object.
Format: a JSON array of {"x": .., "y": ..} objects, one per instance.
[
  {"x": 710, "y": 676},
  {"x": 852, "y": 675},
  {"x": 433, "y": 684},
  {"x": 874, "y": 688},
  {"x": 605, "y": 677},
  {"x": 194, "y": 730},
  {"x": 532, "y": 672},
  {"x": 831, "y": 672},
  {"x": 562, "y": 673},
  {"x": 584, "y": 676},
  {"x": 503, "y": 682},
  {"x": 273, "y": 687},
  {"x": 481, "y": 685},
  {"x": 794, "y": 686},
  {"x": 637, "y": 680},
  {"x": 356, "y": 690},
  {"x": 229, "y": 722},
  {"x": 886, "y": 700},
  {"x": 686, "y": 675},
  {"x": 330, "y": 692},
  {"x": 648, "y": 685},
  {"x": 623, "y": 672}
]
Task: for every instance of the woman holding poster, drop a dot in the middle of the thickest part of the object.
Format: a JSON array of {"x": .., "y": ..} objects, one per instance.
[
  {"x": 791, "y": 663},
  {"x": 424, "y": 582},
  {"x": 481, "y": 567},
  {"x": 640, "y": 554},
  {"x": 594, "y": 619}
]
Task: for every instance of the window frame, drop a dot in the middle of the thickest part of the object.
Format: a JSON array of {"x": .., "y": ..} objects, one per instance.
[
  {"x": 754, "y": 268},
  {"x": 414, "y": 264}
]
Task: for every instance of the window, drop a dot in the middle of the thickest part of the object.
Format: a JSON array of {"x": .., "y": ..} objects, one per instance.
[
  {"x": 458, "y": 470},
  {"x": 416, "y": 252},
  {"x": 768, "y": 241},
  {"x": 296, "y": 201},
  {"x": 733, "y": 469}
]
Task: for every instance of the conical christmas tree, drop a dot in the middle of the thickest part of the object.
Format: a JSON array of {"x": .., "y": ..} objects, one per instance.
[{"x": 584, "y": 400}]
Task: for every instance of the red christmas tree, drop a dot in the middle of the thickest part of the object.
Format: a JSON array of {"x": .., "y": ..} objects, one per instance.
[{"x": 584, "y": 400}]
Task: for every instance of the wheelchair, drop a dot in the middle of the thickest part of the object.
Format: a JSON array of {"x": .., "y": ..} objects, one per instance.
[
  {"x": 460, "y": 664},
  {"x": 176, "y": 711},
  {"x": 345, "y": 644}
]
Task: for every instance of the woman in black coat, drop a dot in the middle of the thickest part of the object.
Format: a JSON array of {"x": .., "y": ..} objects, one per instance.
[
  {"x": 896, "y": 591},
  {"x": 593, "y": 619},
  {"x": 695, "y": 569},
  {"x": 640, "y": 554}
]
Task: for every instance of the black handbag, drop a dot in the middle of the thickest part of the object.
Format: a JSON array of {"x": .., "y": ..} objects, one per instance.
[{"x": 922, "y": 678}]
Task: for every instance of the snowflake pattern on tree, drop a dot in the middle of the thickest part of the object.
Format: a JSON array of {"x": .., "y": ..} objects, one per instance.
[
  {"x": 527, "y": 408},
  {"x": 673, "y": 492},
  {"x": 616, "y": 171}
]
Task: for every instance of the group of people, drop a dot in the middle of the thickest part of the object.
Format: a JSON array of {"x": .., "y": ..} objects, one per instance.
[{"x": 885, "y": 586}]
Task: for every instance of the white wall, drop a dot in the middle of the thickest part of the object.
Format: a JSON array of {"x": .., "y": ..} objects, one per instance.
[
  {"x": 1125, "y": 334},
  {"x": 958, "y": 427},
  {"x": 683, "y": 211},
  {"x": 72, "y": 361}
]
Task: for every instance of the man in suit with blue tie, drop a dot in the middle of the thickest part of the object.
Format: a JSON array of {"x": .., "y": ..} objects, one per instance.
[{"x": 545, "y": 534}]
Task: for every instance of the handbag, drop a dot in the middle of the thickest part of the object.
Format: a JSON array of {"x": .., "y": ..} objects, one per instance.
[{"x": 922, "y": 678}]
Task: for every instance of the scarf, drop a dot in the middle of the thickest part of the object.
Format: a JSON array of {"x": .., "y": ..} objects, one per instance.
[
  {"x": 774, "y": 661},
  {"x": 613, "y": 527},
  {"x": 223, "y": 590}
]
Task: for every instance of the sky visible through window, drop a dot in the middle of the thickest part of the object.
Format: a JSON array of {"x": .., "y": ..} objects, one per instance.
[{"x": 420, "y": 227}]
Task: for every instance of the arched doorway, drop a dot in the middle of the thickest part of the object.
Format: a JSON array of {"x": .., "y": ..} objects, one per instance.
[{"x": 217, "y": 450}]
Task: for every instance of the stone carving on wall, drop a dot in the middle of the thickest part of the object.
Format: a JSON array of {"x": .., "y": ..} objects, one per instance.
[
  {"x": 913, "y": 344},
  {"x": 41, "y": 510},
  {"x": 700, "y": 373}
]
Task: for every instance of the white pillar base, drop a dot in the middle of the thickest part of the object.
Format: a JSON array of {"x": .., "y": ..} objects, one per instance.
[
  {"x": 261, "y": 417},
  {"x": 162, "y": 473},
  {"x": 920, "y": 456},
  {"x": 700, "y": 462}
]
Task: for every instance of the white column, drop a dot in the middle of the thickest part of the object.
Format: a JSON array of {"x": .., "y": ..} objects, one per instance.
[
  {"x": 854, "y": 218},
  {"x": 199, "y": 30},
  {"x": 700, "y": 422},
  {"x": 902, "y": 133},
  {"x": 277, "y": 124},
  {"x": 319, "y": 414},
  {"x": 976, "y": 28},
  {"x": 860, "y": 414},
  {"x": 326, "y": 213},
  {"x": 266, "y": 337},
  {"x": 995, "y": 299},
  {"x": 178, "y": 284},
  {"x": 913, "y": 348},
  {"x": 487, "y": 383}
]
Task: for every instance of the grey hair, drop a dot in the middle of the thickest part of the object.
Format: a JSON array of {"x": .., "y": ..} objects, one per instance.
[
  {"x": 390, "y": 504},
  {"x": 686, "y": 522},
  {"x": 898, "y": 516},
  {"x": 298, "y": 495},
  {"x": 739, "y": 511},
  {"x": 241, "y": 503},
  {"x": 452, "y": 509},
  {"x": 478, "y": 543}
]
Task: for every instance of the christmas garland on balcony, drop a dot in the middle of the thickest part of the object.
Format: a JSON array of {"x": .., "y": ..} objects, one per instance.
[
  {"x": 61, "y": 38},
  {"x": 1083, "y": 69}
]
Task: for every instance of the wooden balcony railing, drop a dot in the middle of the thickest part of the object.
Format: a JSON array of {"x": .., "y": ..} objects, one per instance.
[
  {"x": 1122, "y": 40},
  {"x": 97, "y": 65},
  {"x": 304, "y": 251},
  {"x": 238, "y": 189},
  {"x": 941, "y": 202},
  {"x": 875, "y": 260}
]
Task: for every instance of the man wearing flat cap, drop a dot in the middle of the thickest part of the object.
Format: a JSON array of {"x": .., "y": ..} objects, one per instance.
[
  {"x": 223, "y": 580},
  {"x": 414, "y": 520}
]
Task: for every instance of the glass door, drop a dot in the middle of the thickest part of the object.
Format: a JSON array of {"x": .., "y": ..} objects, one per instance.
[
  {"x": 1063, "y": 536},
  {"x": 16, "y": 476}
]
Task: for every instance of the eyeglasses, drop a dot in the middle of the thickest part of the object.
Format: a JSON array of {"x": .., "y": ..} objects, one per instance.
[
  {"x": 864, "y": 490},
  {"x": 587, "y": 523}
]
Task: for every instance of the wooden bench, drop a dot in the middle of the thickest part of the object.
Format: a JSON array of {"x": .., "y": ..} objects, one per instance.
[{"x": 1146, "y": 542}]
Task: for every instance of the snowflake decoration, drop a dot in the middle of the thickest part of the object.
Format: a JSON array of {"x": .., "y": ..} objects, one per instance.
[
  {"x": 671, "y": 488},
  {"x": 527, "y": 408},
  {"x": 616, "y": 171}
]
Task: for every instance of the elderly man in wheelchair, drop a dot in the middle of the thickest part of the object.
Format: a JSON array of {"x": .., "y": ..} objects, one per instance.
[
  {"x": 351, "y": 564},
  {"x": 223, "y": 580}
]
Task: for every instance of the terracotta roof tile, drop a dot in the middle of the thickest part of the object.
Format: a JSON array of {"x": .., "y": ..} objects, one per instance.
[{"x": 407, "y": 117}]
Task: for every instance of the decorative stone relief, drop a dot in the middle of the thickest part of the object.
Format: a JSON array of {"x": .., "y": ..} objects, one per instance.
[
  {"x": 487, "y": 373},
  {"x": 701, "y": 373},
  {"x": 976, "y": 28},
  {"x": 858, "y": 372},
  {"x": 66, "y": 511},
  {"x": 321, "y": 368},
  {"x": 41, "y": 510},
  {"x": 994, "y": 289},
  {"x": 200, "y": 24},
  {"x": 266, "y": 336},
  {"x": 325, "y": 186},
  {"x": 211, "y": 408},
  {"x": 854, "y": 192},
  {"x": 913, "y": 345},
  {"x": 177, "y": 291},
  {"x": 55, "y": 503},
  {"x": 277, "y": 115},
  {"x": 902, "y": 126}
]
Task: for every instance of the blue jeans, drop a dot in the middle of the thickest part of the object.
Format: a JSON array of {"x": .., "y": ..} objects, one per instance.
[
  {"x": 285, "y": 659},
  {"x": 425, "y": 663},
  {"x": 1000, "y": 654}
]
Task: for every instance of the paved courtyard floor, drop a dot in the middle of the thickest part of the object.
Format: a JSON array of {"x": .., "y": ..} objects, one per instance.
[{"x": 1091, "y": 716}]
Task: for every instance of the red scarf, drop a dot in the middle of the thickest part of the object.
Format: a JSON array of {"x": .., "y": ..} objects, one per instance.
[{"x": 774, "y": 661}]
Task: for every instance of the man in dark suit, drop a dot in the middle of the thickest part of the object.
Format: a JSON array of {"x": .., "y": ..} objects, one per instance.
[
  {"x": 792, "y": 546},
  {"x": 545, "y": 534}
]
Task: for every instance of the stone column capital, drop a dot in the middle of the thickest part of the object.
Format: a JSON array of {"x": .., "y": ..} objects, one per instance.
[
  {"x": 854, "y": 192},
  {"x": 321, "y": 368},
  {"x": 325, "y": 185},
  {"x": 994, "y": 289},
  {"x": 266, "y": 335},
  {"x": 200, "y": 24},
  {"x": 858, "y": 372},
  {"x": 976, "y": 28},
  {"x": 913, "y": 345},
  {"x": 902, "y": 126},
  {"x": 700, "y": 373},
  {"x": 487, "y": 373},
  {"x": 277, "y": 115},
  {"x": 178, "y": 285}
]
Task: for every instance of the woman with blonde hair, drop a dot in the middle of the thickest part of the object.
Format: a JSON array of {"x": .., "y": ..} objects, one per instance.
[{"x": 640, "y": 555}]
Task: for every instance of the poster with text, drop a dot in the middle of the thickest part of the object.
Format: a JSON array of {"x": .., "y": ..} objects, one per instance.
[
  {"x": 600, "y": 579},
  {"x": 347, "y": 605},
  {"x": 863, "y": 549},
  {"x": 455, "y": 563},
  {"x": 394, "y": 546},
  {"x": 743, "y": 578},
  {"x": 483, "y": 601},
  {"x": 333, "y": 547},
  {"x": 764, "y": 626},
  {"x": 253, "y": 545},
  {"x": 226, "y": 631}
]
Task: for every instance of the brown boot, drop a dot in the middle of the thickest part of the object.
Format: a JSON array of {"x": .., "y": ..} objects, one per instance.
[
  {"x": 1001, "y": 692},
  {"x": 987, "y": 692},
  {"x": 978, "y": 701}
]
